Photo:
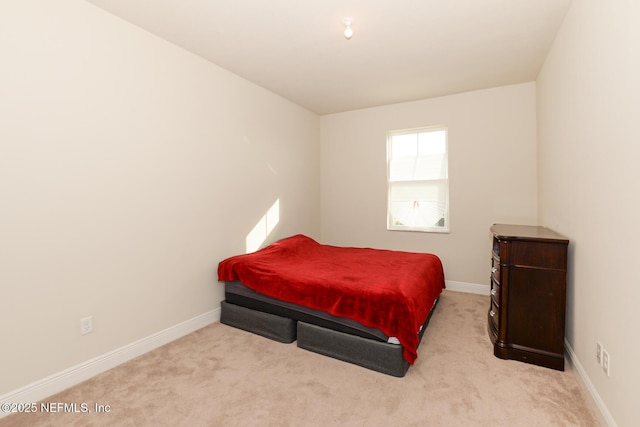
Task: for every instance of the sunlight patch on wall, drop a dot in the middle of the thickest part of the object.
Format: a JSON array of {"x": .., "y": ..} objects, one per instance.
[{"x": 263, "y": 228}]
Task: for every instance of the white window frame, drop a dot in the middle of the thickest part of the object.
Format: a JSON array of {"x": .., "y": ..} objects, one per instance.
[{"x": 443, "y": 183}]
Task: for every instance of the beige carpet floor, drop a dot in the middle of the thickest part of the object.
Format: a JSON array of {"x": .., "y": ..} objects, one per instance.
[{"x": 222, "y": 376}]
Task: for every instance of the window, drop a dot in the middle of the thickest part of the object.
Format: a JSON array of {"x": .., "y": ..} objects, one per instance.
[{"x": 418, "y": 180}]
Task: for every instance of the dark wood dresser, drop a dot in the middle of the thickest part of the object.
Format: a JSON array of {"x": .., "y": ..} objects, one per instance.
[{"x": 528, "y": 294}]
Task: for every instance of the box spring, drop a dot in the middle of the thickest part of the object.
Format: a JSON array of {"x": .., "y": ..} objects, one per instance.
[
  {"x": 329, "y": 337},
  {"x": 268, "y": 325}
]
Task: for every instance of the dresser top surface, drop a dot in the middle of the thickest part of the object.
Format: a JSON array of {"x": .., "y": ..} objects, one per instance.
[{"x": 528, "y": 232}]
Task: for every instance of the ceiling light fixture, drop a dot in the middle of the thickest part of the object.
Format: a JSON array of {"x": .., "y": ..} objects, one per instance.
[{"x": 348, "y": 32}]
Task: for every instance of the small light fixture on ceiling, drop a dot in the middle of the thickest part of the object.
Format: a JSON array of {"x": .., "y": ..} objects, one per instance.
[{"x": 348, "y": 32}]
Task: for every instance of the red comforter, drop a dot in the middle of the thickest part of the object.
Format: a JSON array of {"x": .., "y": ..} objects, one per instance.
[{"x": 389, "y": 290}]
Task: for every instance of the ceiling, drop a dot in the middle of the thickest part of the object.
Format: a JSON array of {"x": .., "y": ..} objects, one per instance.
[{"x": 401, "y": 50}]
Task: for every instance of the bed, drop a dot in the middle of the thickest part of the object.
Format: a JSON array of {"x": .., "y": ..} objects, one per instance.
[{"x": 361, "y": 305}]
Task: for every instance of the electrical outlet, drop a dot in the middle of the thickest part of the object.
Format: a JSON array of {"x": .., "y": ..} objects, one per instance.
[
  {"x": 606, "y": 361},
  {"x": 86, "y": 325},
  {"x": 599, "y": 353}
]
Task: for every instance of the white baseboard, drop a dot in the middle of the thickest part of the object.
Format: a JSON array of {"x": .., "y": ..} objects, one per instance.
[
  {"x": 470, "y": 288},
  {"x": 582, "y": 377},
  {"x": 69, "y": 377}
]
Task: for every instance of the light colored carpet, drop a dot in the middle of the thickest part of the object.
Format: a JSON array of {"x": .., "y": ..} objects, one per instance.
[{"x": 222, "y": 376}]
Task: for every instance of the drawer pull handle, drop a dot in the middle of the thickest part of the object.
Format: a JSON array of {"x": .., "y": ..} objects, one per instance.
[
  {"x": 493, "y": 292},
  {"x": 493, "y": 269},
  {"x": 492, "y": 313}
]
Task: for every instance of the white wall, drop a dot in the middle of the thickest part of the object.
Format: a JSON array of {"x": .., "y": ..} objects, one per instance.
[
  {"x": 589, "y": 149},
  {"x": 492, "y": 172},
  {"x": 128, "y": 169}
]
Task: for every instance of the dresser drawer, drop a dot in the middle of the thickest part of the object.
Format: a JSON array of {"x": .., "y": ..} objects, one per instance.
[
  {"x": 495, "y": 269},
  {"x": 496, "y": 248},
  {"x": 494, "y": 314},
  {"x": 495, "y": 292}
]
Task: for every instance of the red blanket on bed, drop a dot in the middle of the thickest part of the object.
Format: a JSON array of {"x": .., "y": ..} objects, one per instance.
[{"x": 389, "y": 290}]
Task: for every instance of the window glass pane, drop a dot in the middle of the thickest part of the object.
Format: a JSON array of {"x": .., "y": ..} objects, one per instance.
[
  {"x": 418, "y": 168},
  {"x": 404, "y": 145},
  {"x": 417, "y": 156},
  {"x": 434, "y": 142},
  {"x": 402, "y": 169},
  {"x": 418, "y": 204},
  {"x": 431, "y": 167}
]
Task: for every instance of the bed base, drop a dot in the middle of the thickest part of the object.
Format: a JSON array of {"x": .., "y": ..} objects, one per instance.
[
  {"x": 372, "y": 354},
  {"x": 377, "y": 356},
  {"x": 268, "y": 325}
]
